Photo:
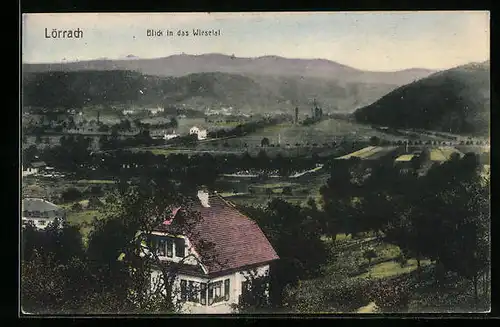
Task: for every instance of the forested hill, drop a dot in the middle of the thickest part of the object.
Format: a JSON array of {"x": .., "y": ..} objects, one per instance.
[
  {"x": 455, "y": 100},
  {"x": 184, "y": 64},
  {"x": 254, "y": 93}
]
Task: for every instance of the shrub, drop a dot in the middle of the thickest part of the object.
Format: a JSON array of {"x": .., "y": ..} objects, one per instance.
[
  {"x": 347, "y": 295},
  {"x": 390, "y": 295}
]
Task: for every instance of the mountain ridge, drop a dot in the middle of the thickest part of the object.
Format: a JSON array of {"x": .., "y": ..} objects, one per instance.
[{"x": 184, "y": 64}]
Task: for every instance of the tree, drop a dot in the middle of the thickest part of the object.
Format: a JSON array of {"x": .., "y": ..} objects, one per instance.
[
  {"x": 296, "y": 238},
  {"x": 173, "y": 122},
  {"x": 265, "y": 142},
  {"x": 52, "y": 274},
  {"x": 71, "y": 194},
  {"x": 255, "y": 294},
  {"x": 369, "y": 254}
]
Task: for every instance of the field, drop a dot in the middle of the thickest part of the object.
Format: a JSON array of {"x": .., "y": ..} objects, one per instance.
[
  {"x": 248, "y": 191},
  {"x": 443, "y": 153},
  {"x": 82, "y": 219},
  {"x": 325, "y": 131}
]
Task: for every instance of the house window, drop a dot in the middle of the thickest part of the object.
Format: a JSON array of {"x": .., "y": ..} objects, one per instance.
[
  {"x": 170, "y": 248},
  {"x": 179, "y": 247},
  {"x": 161, "y": 247},
  {"x": 183, "y": 290},
  {"x": 203, "y": 294},
  {"x": 245, "y": 287},
  {"x": 215, "y": 293},
  {"x": 193, "y": 291},
  {"x": 41, "y": 222},
  {"x": 226, "y": 290}
]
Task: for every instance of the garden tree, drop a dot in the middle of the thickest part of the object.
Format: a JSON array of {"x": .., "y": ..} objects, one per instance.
[
  {"x": 255, "y": 294},
  {"x": 296, "y": 239},
  {"x": 265, "y": 142}
]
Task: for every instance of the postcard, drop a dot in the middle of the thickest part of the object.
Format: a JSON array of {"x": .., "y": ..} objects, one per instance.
[{"x": 326, "y": 163}]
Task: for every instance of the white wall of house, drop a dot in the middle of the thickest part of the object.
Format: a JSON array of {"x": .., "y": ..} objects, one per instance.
[{"x": 217, "y": 307}]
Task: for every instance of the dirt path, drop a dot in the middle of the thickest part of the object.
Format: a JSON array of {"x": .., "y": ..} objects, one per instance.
[{"x": 369, "y": 308}]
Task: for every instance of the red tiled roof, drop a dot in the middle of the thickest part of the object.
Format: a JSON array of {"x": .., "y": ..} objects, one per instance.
[{"x": 238, "y": 241}]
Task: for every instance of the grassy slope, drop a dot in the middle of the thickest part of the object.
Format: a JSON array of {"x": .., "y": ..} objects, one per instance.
[{"x": 347, "y": 264}]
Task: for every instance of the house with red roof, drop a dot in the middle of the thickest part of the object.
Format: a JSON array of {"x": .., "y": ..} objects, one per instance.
[{"x": 212, "y": 282}]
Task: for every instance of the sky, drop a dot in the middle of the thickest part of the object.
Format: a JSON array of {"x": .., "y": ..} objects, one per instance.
[{"x": 376, "y": 41}]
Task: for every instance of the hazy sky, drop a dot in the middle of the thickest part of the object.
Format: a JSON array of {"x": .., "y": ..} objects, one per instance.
[{"x": 370, "y": 41}]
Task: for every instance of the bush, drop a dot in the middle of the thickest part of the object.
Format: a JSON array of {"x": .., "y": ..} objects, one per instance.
[
  {"x": 347, "y": 295},
  {"x": 76, "y": 207},
  {"x": 391, "y": 295}
]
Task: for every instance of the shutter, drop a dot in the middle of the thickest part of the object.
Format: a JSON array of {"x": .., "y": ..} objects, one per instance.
[
  {"x": 226, "y": 290},
  {"x": 203, "y": 298},
  {"x": 183, "y": 290}
]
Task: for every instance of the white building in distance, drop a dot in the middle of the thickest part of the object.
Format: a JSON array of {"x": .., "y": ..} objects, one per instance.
[{"x": 201, "y": 133}]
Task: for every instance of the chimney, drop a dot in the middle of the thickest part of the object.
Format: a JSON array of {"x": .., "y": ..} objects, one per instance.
[{"x": 203, "y": 196}]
